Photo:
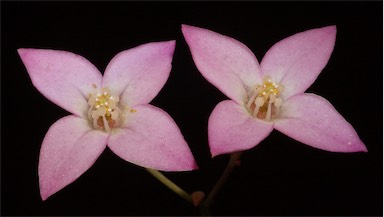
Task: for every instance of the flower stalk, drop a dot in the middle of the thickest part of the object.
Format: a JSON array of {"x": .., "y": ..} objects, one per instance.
[
  {"x": 171, "y": 185},
  {"x": 206, "y": 204}
]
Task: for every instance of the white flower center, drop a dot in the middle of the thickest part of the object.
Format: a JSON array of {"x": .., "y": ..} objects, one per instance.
[
  {"x": 264, "y": 100},
  {"x": 104, "y": 112}
]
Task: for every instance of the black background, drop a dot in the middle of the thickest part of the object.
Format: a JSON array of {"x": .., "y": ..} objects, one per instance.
[{"x": 278, "y": 177}]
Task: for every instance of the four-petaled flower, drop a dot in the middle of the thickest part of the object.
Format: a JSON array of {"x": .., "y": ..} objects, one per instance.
[
  {"x": 107, "y": 110},
  {"x": 270, "y": 95}
]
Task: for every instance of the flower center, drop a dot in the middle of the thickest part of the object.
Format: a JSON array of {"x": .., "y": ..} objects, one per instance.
[
  {"x": 104, "y": 112},
  {"x": 264, "y": 100}
]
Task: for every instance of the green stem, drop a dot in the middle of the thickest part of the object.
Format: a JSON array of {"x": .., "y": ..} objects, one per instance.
[
  {"x": 205, "y": 205},
  {"x": 158, "y": 175}
]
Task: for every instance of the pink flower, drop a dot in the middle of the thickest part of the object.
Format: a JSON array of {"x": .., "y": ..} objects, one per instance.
[
  {"x": 270, "y": 95},
  {"x": 110, "y": 110}
]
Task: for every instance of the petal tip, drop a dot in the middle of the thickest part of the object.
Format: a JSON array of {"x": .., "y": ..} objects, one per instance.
[
  {"x": 171, "y": 43},
  {"x": 188, "y": 165},
  {"x": 45, "y": 195},
  {"x": 330, "y": 29},
  {"x": 23, "y": 52},
  {"x": 168, "y": 47},
  {"x": 194, "y": 166},
  {"x": 215, "y": 152},
  {"x": 187, "y": 29},
  {"x": 355, "y": 147},
  {"x": 363, "y": 148},
  {"x": 43, "y": 198}
]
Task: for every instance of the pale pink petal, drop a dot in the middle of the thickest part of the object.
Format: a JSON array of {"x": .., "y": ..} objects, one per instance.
[
  {"x": 150, "y": 138},
  {"x": 231, "y": 128},
  {"x": 138, "y": 74},
  {"x": 225, "y": 62},
  {"x": 69, "y": 148},
  {"x": 63, "y": 77},
  {"x": 313, "y": 120},
  {"x": 297, "y": 61}
]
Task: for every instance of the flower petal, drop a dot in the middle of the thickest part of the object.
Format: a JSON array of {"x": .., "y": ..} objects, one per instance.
[
  {"x": 70, "y": 148},
  {"x": 313, "y": 120},
  {"x": 296, "y": 61},
  {"x": 225, "y": 62},
  {"x": 231, "y": 128},
  {"x": 138, "y": 74},
  {"x": 63, "y": 77},
  {"x": 150, "y": 138}
]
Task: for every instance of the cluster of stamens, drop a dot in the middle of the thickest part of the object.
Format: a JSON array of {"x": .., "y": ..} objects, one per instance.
[
  {"x": 264, "y": 100},
  {"x": 104, "y": 112}
]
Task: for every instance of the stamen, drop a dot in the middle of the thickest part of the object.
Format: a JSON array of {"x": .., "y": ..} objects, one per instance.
[
  {"x": 89, "y": 113},
  {"x": 115, "y": 114},
  {"x": 268, "y": 115},
  {"x": 269, "y": 110},
  {"x": 104, "y": 112},
  {"x": 95, "y": 123},
  {"x": 272, "y": 98},
  {"x": 106, "y": 125},
  {"x": 278, "y": 103},
  {"x": 259, "y": 102},
  {"x": 264, "y": 101},
  {"x": 251, "y": 101}
]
